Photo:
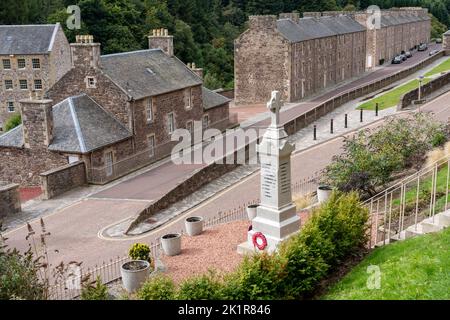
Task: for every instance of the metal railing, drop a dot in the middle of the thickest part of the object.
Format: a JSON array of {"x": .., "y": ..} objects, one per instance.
[{"x": 408, "y": 202}]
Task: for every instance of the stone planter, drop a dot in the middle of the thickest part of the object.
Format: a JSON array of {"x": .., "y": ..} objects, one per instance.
[
  {"x": 134, "y": 273},
  {"x": 171, "y": 244},
  {"x": 323, "y": 193},
  {"x": 194, "y": 225},
  {"x": 251, "y": 211}
]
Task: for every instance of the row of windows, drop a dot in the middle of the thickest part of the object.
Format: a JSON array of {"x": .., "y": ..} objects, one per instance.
[
  {"x": 21, "y": 63},
  {"x": 188, "y": 98},
  {"x": 23, "y": 84}
]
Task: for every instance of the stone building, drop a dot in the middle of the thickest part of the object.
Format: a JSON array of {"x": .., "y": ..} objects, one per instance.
[
  {"x": 302, "y": 56},
  {"x": 32, "y": 57},
  {"x": 114, "y": 112}
]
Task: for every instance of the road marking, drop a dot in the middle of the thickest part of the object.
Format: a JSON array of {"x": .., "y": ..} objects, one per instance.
[{"x": 121, "y": 199}]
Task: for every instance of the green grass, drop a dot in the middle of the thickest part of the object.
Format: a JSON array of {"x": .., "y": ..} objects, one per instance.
[
  {"x": 444, "y": 66},
  {"x": 391, "y": 98},
  {"x": 416, "y": 268}
]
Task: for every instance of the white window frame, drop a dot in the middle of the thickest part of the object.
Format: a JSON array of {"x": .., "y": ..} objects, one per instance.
[
  {"x": 151, "y": 146},
  {"x": 171, "y": 122},
  {"x": 149, "y": 110},
  {"x": 10, "y": 104},
  {"x": 9, "y": 81},
  {"x": 188, "y": 95},
  {"x": 205, "y": 117},
  {"x": 20, "y": 84},
  {"x": 109, "y": 168},
  {"x": 24, "y": 63},
  {"x": 6, "y": 61},
  {"x": 35, "y": 87},
  {"x": 36, "y": 63}
]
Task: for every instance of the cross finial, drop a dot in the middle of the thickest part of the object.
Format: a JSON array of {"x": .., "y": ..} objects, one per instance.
[{"x": 274, "y": 105}]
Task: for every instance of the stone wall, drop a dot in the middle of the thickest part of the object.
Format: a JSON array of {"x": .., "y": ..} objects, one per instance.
[
  {"x": 60, "y": 180},
  {"x": 9, "y": 199},
  {"x": 218, "y": 116}
]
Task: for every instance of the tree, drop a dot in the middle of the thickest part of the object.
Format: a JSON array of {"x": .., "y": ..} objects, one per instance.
[{"x": 13, "y": 122}]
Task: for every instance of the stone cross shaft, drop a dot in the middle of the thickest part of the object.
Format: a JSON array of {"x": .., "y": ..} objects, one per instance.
[{"x": 274, "y": 105}]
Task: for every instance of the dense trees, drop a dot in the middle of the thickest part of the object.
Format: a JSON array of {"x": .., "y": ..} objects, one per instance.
[{"x": 204, "y": 30}]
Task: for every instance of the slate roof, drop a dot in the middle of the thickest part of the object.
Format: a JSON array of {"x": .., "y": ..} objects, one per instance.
[
  {"x": 148, "y": 72},
  {"x": 76, "y": 127},
  {"x": 212, "y": 99},
  {"x": 27, "y": 39},
  {"x": 447, "y": 32}
]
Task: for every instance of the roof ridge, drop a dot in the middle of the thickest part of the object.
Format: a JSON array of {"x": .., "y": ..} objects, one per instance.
[
  {"x": 128, "y": 52},
  {"x": 28, "y": 25},
  {"x": 77, "y": 126}
]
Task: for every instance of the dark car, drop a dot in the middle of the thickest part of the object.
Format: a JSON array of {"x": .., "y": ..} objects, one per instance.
[
  {"x": 423, "y": 47},
  {"x": 408, "y": 54},
  {"x": 397, "y": 60},
  {"x": 403, "y": 57}
]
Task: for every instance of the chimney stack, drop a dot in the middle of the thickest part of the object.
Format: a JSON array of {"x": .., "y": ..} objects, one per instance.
[
  {"x": 85, "y": 52},
  {"x": 194, "y": 69},
  {"x": 37, "y": 122},
  {"x": 160, "y": 39}
]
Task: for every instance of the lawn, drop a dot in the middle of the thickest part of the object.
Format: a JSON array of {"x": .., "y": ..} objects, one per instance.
[
  {"x": 416, "y": 268},
  {"x": 391, "y": 98},
  {"x": 444, "y": 66}
]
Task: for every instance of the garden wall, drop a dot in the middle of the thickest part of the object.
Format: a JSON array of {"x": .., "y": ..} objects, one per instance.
[
  {"x": 9, "y": 199},
  {"x": 60, "y": 180}
]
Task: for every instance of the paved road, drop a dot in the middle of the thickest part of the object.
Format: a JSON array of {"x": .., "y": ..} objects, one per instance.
[{"x": 75, "y": 229}]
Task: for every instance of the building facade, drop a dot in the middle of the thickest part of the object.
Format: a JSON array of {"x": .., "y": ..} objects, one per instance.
[
  {"x": 115, "y": 112},
  {"x": 302, "y": 56},
  {"x": 32, "y": 57}
]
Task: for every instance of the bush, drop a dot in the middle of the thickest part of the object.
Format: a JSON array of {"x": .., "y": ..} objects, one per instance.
[
  {"x": 200, "y": 288},
  {"x": 94, "y": 291},
  {"x": 13, "y": 122},
  {"x": 140, "y": 251},
  {"x": 157, "y": 288}
]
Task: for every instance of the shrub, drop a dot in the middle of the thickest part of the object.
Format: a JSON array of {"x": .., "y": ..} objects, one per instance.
[
  {"x": 13, "y": 122},
  {"x": 94, "y": 291},
  {"x": 157, "y": 288},
  {"x": 140, "y": 251},
  {"x": 201, "y": 287}
]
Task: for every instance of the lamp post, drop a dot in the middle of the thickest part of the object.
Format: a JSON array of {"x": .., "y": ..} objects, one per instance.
[{"x": 420, "y": 90}]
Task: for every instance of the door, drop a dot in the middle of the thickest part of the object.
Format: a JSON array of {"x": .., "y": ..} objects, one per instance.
[{"x": 109, "y": 163}]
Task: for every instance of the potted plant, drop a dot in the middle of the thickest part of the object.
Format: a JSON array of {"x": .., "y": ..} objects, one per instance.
[
  {"x": 251, "y": 211},
  {"x": 171, "y": 244},
  {"x": 323, "y": 192},
  {"x": 194, "y": 225},
  {"x": 135, "y": 272}
]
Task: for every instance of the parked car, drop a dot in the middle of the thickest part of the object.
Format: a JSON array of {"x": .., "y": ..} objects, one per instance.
[
  {"x": 403, "y": 57},
  {"x": 397, "y": 60},
  {"x": 438, "y": 40},
  {"x": 408, "y": 54},
  {"x": 433, "y": 52},
  {"x": 423, "y": 47}
]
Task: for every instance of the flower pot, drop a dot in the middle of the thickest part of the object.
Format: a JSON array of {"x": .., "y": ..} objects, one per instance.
[
  {"x": 251, "y": 211},
  {"x": 323, "y": 193},
  {"x": 171, "y": 244},
  {"x": 194, "y": 225},
  {"x": 134, "y": 273}
]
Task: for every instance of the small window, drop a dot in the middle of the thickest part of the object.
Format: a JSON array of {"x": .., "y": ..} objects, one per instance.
[
  {"x": 190, "y": 126},
  {"x": 36, "y": 63},
  {"x": 205, "y": 121},
  {"x": 38, "y": 84},
  {"x": 8, "y": 84},
  {"x": 10, "y": 105},
  {"x": 6, "y": 64},
  {"x": 23, "y": 84},
  {"x": 149, "y": 110},
  {"x": 91, "y": 82},
  {"x": 151, "y": 145},
  {"x": 171, "y": 122},
  {"x": 21, "y": 63},
  {"x": 188, "y": 98}
]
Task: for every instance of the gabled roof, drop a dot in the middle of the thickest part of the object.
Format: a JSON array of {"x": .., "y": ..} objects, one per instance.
[
  {"x": 27, "y": 39},
  {"x": 447, "y": 32},
  {"x": 81, "y": 125},
  {"x": 342, "y": 24},
  {"x": 212, "y": 99},
  {"x": 148, "y": 72}
]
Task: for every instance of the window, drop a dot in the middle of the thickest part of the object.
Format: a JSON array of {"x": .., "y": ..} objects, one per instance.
[
  {"x": 36, "y": 63},
  {"x": 8, "y": 84},
  {"x": 151, "y": 145},
  {"x": 149, "y": 110},
  {"x": 6, "y": 64},
  {"x": 23, "y": 84},
  {"x": 91, "y": 82},
  {"x": 188, "y": 98},
  {"x": 190, "y": 126},
  {"x": 21, "y": 63},
  {"x": 205, "y": 121},
  {"x": 171, "y": 122},
  {"x": 38, "y": 84},
  {"x": 109, "y": 163},
  {"x": 10, "y": 105}
]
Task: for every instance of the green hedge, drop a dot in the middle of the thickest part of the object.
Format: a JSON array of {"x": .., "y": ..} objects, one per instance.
[{"x": 335, "y": 230}]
